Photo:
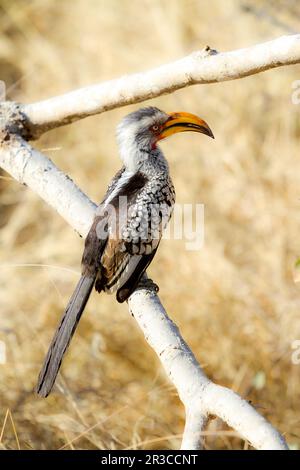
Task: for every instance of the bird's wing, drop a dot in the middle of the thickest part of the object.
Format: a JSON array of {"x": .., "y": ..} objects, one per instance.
[
  {"x": 95, "y": 243},
  {"x": 129, "y": 286},
  {"x": 117, "y": 266},
  {"x": 132, "y": 243},
  {"x": 121, "y": 270},
  {"x": 98, "y": 234},
  {"x": 114, "y": 182},
  {"x": 117, "y": 263}
]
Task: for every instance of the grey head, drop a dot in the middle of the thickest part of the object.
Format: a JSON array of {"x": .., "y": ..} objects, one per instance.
[{"x": 138, "y": 133}]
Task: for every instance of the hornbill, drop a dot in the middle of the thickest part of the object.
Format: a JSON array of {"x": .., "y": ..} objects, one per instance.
[{"x": 128, "y": 224}]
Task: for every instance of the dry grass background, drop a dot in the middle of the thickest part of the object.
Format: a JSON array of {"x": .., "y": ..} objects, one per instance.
[{"x": 235, "y": 300}]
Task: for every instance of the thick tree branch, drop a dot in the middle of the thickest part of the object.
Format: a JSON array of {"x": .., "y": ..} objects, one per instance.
[
  {"x": 202, "y": 67},
  {"x": 30, "y": 167},
  {"x": 200, "y": 396}
]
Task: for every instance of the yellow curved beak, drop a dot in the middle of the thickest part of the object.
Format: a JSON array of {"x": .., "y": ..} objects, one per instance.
[{"x": 183, "y": 122}]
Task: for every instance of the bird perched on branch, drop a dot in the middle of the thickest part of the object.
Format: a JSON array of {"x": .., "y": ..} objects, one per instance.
[{"x": 128, "y": 224}]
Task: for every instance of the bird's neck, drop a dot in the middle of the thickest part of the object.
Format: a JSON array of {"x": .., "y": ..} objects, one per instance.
[
  {"x": 155, "y": 165},
  {"x": 146, "y": 160}
]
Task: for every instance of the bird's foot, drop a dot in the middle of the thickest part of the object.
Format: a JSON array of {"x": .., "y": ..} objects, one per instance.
[{"x": 147, "y": 283}]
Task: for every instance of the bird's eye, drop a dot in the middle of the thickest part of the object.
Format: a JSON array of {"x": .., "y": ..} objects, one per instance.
[{"x": 155, "y": 127}]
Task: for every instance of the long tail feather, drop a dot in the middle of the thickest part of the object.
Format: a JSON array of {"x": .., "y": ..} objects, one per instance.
[{"x": 63, "y": 335}]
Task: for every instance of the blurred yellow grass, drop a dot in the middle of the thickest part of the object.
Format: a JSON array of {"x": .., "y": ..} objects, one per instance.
[{"x": 235, "y": 300}]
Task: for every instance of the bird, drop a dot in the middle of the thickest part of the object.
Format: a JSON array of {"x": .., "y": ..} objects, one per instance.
[{"x": 128, "y": 223}]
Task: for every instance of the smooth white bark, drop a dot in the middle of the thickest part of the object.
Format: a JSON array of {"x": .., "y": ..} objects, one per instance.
[
  {"x": 30, "y": 167},
  {"x": 200, "y": 396},
  {"x": 200, "y": 67}
]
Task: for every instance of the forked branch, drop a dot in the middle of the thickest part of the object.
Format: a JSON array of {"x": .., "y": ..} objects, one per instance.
[{"x": 18, "y": 123}]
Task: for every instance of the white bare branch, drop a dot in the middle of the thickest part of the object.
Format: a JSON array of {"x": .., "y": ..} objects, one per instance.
[
  {"x": 200, "y": 396},
  {"x": 202, "y": 67},
  {"x": 30, "y": 167}
]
